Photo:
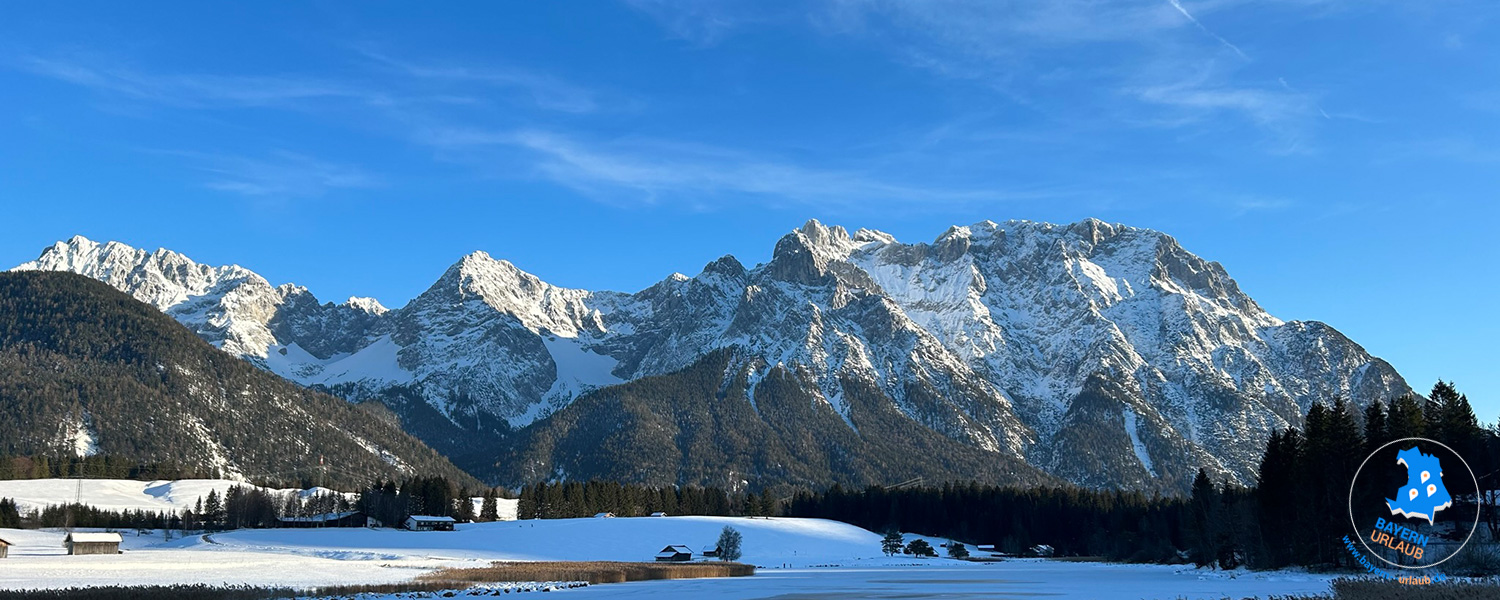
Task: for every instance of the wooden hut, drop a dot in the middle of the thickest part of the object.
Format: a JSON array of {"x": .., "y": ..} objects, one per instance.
[
  {"x": 92, "y": 543},
  {"x": 676, "y": 553},
  {"x": 4, "y": 548}
]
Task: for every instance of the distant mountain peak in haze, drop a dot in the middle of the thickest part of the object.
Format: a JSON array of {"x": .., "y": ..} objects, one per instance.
[{"x": 1098, "y": 353}]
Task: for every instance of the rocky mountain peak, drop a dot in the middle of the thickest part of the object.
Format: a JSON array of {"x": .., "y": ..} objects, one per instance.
[
  {"x": 996, "y": 336},
  {"x": 726, "y": 266},
  {"x": 505, "y": 288},
  {"x": 367, "y": 305}
]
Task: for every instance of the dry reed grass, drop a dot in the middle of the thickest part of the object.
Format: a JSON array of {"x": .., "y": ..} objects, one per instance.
[{"x": 593, "y": 572}]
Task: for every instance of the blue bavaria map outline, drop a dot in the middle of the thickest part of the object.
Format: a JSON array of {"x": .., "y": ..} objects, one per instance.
[{"x": 1424, "y": 493}]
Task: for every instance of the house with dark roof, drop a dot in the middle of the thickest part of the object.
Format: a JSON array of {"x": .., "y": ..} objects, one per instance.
[
  {"x": 429, "y": 523},
  {"x": 675, "y": 553},
  {"x": 351, "y": 518}
]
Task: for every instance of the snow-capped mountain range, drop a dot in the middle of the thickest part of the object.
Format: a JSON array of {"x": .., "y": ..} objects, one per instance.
[{"x": 1102, "y": 354}]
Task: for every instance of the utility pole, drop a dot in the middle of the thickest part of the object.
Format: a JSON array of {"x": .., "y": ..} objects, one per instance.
[{"x": 68, "y": 521}]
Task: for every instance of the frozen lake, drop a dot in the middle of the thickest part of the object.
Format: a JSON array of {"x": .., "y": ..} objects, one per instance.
[
  {"x": 1012, "y": 579},
  {"x": 800, "y": 558}
]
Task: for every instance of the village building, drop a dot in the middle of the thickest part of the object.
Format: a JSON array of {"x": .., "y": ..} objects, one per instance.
[
  {"x": 351, "y": 518},
  {"x": 710, "y": 552},
  {"x": 429, "y": 523},
  {"x": 658, "y": 514},
  {"x": 92, "y": 543},
  {"x": 4, "y": 548},
  {"x": 676, "y": 553},
  {"x": 605, "y": 515},
  {"x": 1041, "y": 551}
]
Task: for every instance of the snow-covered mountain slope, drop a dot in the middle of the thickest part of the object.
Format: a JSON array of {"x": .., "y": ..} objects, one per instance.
[{"x": 1104, "y": 354}]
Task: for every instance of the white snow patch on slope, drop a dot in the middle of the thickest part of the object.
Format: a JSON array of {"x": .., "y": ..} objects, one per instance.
[
  {"x": 376, "y": 362},
  {"x": 80, "y": 436},
  {"x": 579, "y": 369},
  {"x": 1131, "y": 421}
]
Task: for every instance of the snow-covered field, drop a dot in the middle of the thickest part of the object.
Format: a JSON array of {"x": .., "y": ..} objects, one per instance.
[
  {"x": 119, "y": 494},
  {"x": 798, "y": 557}
]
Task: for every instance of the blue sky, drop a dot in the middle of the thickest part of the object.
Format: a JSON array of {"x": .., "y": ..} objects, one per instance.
[{"x": 1341, "y": 158}]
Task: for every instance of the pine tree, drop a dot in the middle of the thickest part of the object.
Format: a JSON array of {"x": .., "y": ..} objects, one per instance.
[
  {"x": 1405, "y": 419},
  {"x": 1376, "y": 432},
  {"x": 213, "y": 510},
  {"x": 490, "y": 509},
  {"x": 957, "y": 550},
  {"x": 892, "y": 543},
  {"x": 768, "y": 504},
  {"x": 1278, "y": 496},
  {"x": 1451, "y": 420},
  {"x": 1202, "y": 521}
]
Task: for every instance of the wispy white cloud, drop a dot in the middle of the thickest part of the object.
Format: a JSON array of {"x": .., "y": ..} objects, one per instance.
[
  {"x": 278, "y": 174},
  {"x": 703, "y": 22},
  {"x": 660, "y": 171},
  {"x": 1265, "y": 106},
  {"x": 1148, "y": 51},
  {"x": 187, "y": 90},
  {"x": 414, "y": 82},
  {"x": 1177, "y": 4},
  {"x": 545, "y": 91}
]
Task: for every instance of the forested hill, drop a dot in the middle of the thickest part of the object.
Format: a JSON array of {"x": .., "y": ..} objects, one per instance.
[
  {"x": 690, "y": 427},
  {"x": 86, "y": 369}
]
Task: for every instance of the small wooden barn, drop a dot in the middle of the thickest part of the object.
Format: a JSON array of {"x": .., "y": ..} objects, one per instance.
[
  {"x": 710, "y": 551},
  {"x": 429, "y": 523},
  {"x": 92, "y": 543},
  {"x": 676, "y": 553},
  {"x": 4, "y": 548}
]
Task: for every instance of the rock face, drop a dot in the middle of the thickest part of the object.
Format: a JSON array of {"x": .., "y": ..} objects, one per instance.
[{"x": 1100, "y": 354}]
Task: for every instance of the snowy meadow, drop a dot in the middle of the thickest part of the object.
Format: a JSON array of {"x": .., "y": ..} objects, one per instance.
[{"x": 796, "y": 558}]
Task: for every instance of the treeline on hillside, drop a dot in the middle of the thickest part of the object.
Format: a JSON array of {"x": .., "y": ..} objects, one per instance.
[
  {"x": 1296, "y": 515},
  {"x": 93, "y": 467},
  {"x": 248, "y": 506},
  {"x": 102, "y": 466},
  {"x": 574, "y": 499},
  {"x": 239, "y": 506}
]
